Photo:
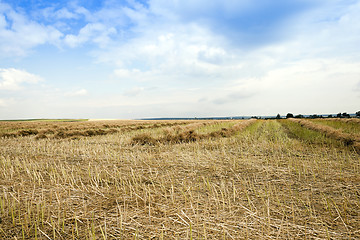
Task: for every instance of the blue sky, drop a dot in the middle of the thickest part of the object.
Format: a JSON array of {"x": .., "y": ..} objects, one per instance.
[{"x": 130, "y": 59}]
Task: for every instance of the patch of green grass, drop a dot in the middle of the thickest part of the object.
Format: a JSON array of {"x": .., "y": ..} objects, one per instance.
[
  {"x": 253, "y": 129},
  {"x": 217, "y": 126},
  {"x": 295, "y": 130},
  {"x": 273, "y": 132}
]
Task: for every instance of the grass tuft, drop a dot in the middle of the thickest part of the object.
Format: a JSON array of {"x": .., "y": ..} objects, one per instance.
[{"x": 143, "y": 139}]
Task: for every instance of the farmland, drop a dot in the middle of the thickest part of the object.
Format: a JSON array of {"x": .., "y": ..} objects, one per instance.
[{"x": 231, "y": 179}]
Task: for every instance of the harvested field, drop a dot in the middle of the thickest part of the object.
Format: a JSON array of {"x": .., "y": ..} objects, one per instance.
[{"x": 243, "y": 179}]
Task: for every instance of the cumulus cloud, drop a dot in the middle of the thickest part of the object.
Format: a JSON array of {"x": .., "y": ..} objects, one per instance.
[
  {"x": 189, "y": 55},
  {"x": 13, "y": 79},
  {"x": 18, "y": 33},
  {"x": 107, "y": 24}
]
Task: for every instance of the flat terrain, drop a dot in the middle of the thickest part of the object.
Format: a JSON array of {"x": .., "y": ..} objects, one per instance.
[{"x": 243, "y": 179}]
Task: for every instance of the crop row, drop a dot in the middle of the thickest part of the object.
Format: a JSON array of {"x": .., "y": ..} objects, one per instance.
[
  {"x": 73, "y": 130},
  {"x": 189, "y": 134},
  {"x": 337, "y": 134}
]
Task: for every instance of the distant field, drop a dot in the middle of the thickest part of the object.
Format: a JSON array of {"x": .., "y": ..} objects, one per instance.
[
  {"x": 47, "y": 120},
  {"x": 218, "y": 179}
]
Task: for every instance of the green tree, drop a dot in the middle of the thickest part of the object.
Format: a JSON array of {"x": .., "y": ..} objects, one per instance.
[{"x": 289, "y": 115}]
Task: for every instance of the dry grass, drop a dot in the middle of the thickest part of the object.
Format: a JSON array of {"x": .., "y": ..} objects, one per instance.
[
  {"x": 192, "y": 132},
  {"x": 73, "y": 129},
  {"x": 262, "y": 181}
]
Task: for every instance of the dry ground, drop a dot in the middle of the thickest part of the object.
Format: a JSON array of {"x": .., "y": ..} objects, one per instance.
[{"x": 177, "y": 180}]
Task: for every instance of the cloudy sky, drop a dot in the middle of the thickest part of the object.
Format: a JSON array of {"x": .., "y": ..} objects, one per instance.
[{"x": 178, "y": 58}]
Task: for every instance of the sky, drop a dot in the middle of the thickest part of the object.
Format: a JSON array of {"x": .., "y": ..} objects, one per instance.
[{"x": 130, "y": 59}]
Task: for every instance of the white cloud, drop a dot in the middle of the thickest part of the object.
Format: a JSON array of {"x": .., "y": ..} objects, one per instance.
[
  {"x": 190, "y": 54},
  {"x": 51, "y": 13},
  {"x": 13, "y": 79},
  {"x": 80, "y": 92},
  {"x": 193, "y": 53},
  {"x": 278, "y": 77},
  {"x": 305, "y": 86},
  {"x": 3, "y": 103},
  {"x": 64, "y": 13},
  {"x": 18, "y": 33},
  {"x": 134, "y": 91},
  {"x": 130, "y": 74},
  {"x": 93, "y": 32}
]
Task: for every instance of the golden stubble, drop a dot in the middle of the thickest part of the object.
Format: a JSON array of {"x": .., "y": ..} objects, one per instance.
[{"x": 240, "y": 180}]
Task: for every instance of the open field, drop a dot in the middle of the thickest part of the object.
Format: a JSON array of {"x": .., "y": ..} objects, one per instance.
[{"x": 240, "y": 179}]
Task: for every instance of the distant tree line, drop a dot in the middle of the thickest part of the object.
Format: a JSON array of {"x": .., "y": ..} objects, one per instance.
[{"x": 339, "y": 115}]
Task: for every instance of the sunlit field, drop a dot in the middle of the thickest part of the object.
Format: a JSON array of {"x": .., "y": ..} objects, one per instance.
[{"x": 238, "y": 179}]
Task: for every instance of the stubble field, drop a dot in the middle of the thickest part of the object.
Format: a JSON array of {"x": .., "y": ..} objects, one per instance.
[{"x": 240, "y": 179}]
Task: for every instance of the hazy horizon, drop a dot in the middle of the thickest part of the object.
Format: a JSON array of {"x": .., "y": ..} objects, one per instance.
[{"x": 156, "y": 59}]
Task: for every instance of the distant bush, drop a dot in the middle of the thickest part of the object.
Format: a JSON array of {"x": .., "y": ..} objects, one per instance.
[{"x": 345, "y": 115}]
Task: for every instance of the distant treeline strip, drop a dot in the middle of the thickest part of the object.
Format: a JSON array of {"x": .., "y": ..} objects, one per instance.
[
  {"x": 347, "y": 139},
  {"x": 189, "y": 135}
]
